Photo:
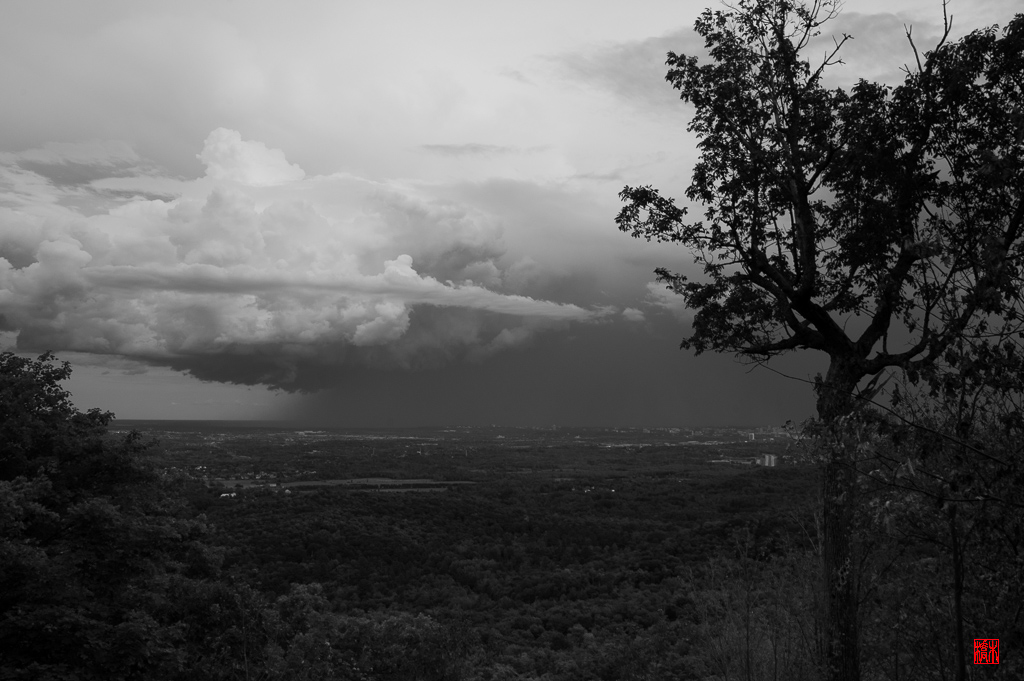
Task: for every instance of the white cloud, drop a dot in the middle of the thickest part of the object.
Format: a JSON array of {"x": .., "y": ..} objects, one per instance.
[
  {"x": 228, "y": 157},
  {"x": 663, "y": 298},
  {"x": 255, "y": 259},
  {"x": 633, "y": 315},
  {"x": 390, "y": 322}
]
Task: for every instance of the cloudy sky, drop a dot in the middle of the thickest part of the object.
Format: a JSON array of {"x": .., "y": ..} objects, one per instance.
[{"x": 393, "y": 212}]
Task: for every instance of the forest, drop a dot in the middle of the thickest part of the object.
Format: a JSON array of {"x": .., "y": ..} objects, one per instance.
[{"x": 126, "y": 556}]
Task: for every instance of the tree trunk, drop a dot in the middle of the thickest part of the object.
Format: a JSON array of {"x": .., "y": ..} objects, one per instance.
[
  {"x": 841, "y": 642},
  {"x": 958, "y": 594},
  {"x": 835, "y": 400}
]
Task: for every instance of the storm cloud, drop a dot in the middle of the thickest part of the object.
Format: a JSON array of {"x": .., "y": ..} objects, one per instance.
[{"x": 258, "y": 274}]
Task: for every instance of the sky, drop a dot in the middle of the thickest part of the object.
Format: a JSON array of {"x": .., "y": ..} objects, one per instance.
[{"x": 387, "y": 213}]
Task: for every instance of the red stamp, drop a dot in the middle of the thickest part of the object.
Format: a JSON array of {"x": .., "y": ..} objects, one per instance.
[{"x": 986, "y": 651}]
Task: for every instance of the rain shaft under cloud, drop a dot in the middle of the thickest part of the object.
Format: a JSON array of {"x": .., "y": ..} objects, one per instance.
[{"x": 255, "y": 273}]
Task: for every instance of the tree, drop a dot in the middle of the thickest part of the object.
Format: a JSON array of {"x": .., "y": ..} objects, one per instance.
[
  {"x": 91, "y": 546},
  {"x": 879, "y": 225},
  {"x": 39, "y": 425}
]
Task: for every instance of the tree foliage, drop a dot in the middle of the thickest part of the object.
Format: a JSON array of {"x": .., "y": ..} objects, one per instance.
[
  {"x": 40, "y": 428},
  {"x": 951, "y": 481},
  {"x": 898, "y": 204},
  {"x": 90, "y": 545}
]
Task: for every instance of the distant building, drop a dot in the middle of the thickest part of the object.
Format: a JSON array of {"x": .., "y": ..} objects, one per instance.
[{"x": 766, "y": 460}]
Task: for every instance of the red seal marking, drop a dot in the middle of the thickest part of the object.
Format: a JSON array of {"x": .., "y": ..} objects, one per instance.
[{"x": 986, "y": 651}]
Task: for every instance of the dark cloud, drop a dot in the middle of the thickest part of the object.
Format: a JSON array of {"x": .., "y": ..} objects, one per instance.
[
  {"x": 436, "y": 338},
  {"x": 79, "y": 176},
  {"x": 71, "y": 174},
  {"x": 459, "y": 262},
  {"x": 131, "y": 195},
  {"x": 17, "y": 253},
  {"x": 75, "y": 165},
  {"x": 614, "y": 374},
  {"x": 89, "y": 200},
  {"x": 274, "y": 365},
  {"x": 632, "y": 71},
  {"x": 584, "y": 258}
]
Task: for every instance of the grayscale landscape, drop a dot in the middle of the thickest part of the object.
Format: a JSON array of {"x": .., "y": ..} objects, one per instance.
[{"x": 495, "y": 341}]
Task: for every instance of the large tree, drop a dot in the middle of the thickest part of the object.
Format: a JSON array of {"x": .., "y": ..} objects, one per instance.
[{"x": 879, "y": 225}]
